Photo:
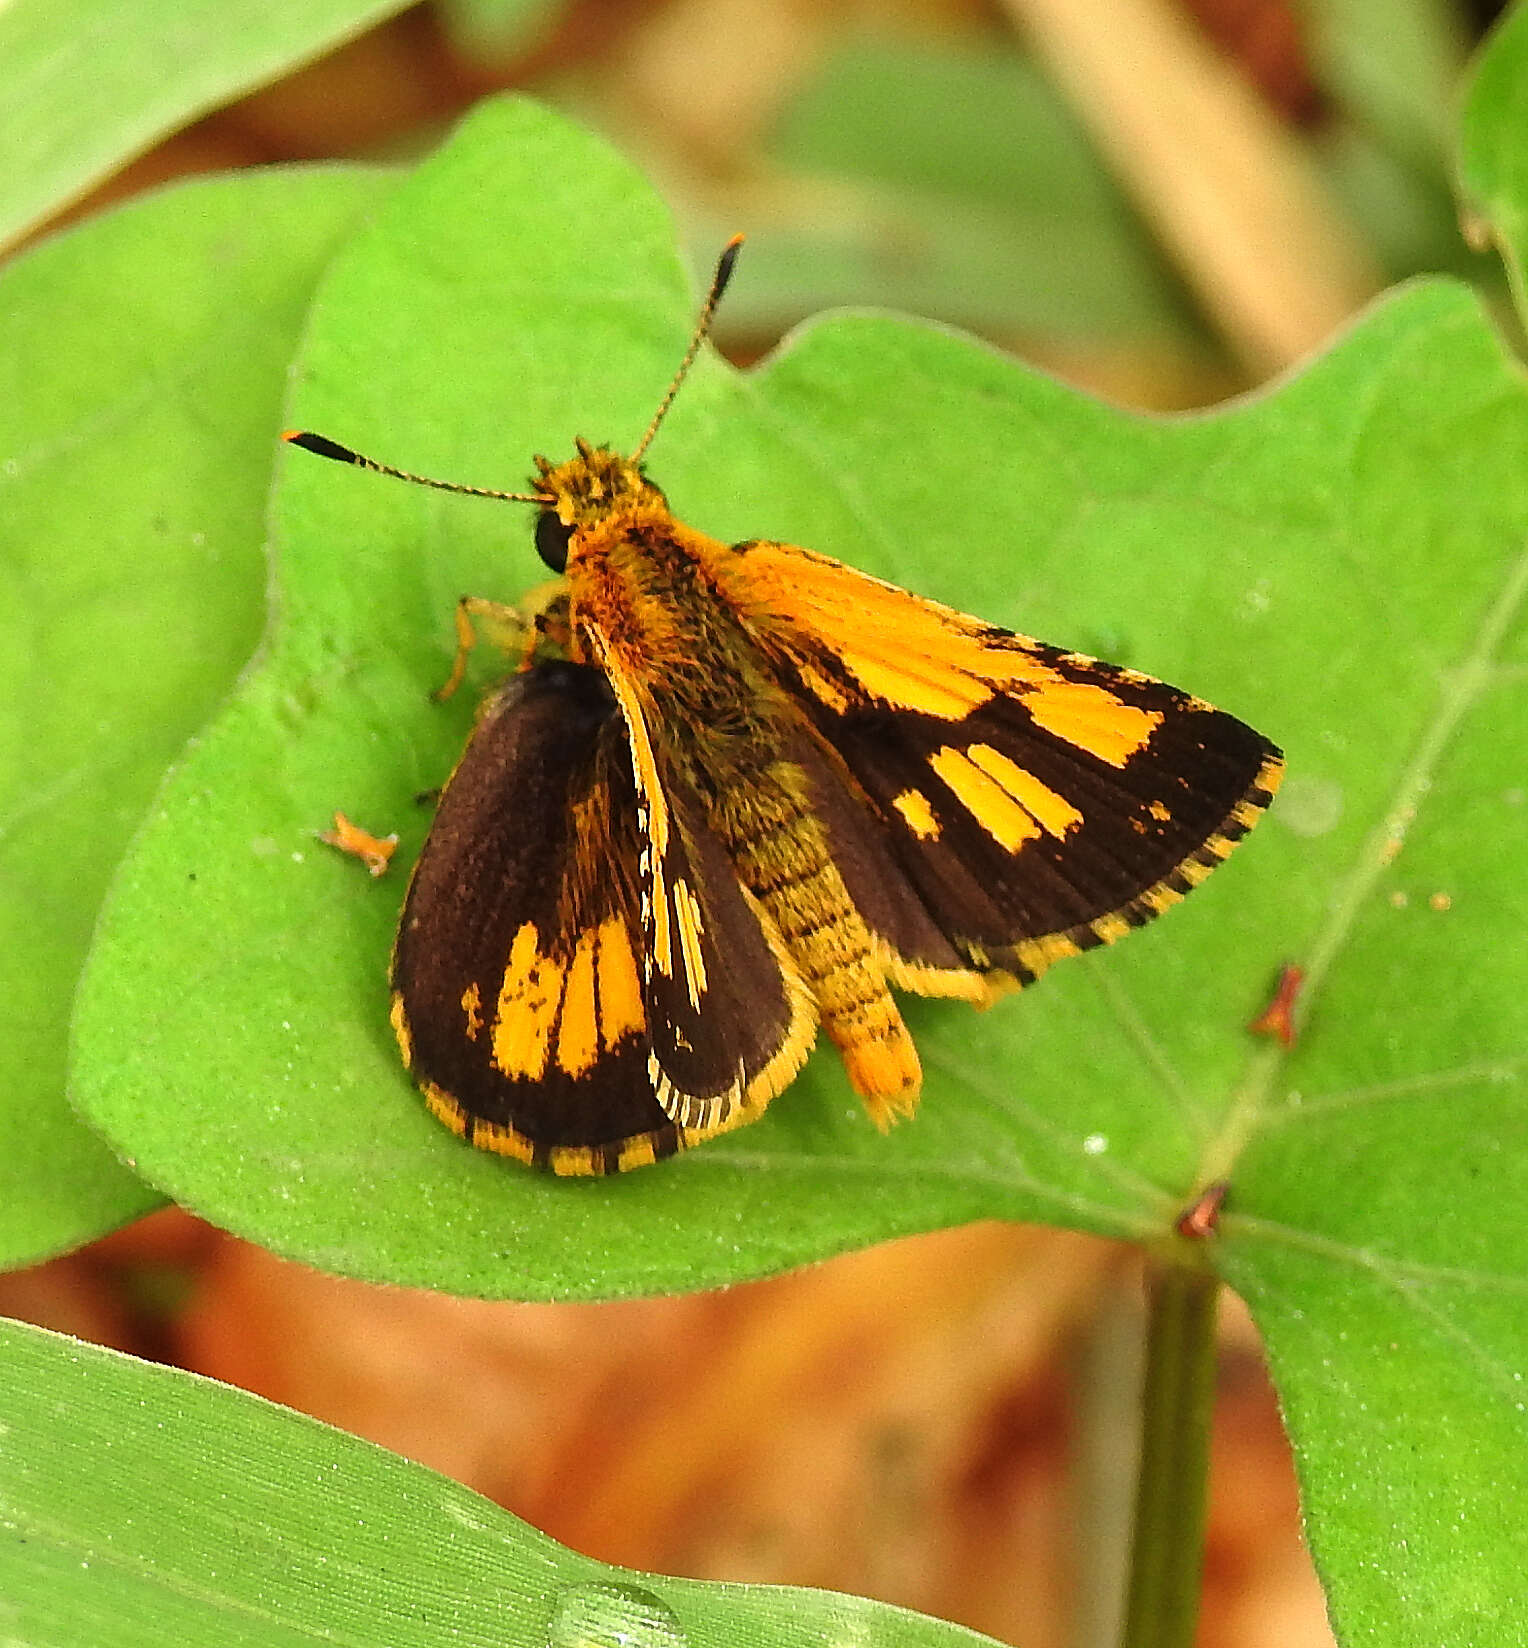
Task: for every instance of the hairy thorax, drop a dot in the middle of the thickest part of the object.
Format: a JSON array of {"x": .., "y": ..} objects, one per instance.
[{"x": 651, "y": 589}]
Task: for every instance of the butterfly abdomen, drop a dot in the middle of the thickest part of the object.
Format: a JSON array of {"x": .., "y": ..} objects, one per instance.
[{"x": 782, "y": 856}]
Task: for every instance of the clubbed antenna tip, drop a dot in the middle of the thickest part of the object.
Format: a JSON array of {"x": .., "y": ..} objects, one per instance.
[
  {"x": 325, "y": 448},
  {"x": 322, "y": 445},
  {"x": 724, "y": 266}
]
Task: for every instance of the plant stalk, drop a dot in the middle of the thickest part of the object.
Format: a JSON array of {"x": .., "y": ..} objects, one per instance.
[{"x": 1177, "y": 1397}]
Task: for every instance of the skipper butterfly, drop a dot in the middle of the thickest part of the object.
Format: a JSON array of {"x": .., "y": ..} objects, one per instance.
[{"x": 735, "y": 793}]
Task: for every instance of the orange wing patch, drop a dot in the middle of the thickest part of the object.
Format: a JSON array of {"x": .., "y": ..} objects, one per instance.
[
  {"x": 915, "y": 654},
  {"x": 986, "y": 799},
  {"x": 914, "y": 807},
  {"x": 526, "y": 1014},
  {"x": 579, "y": 1030},
  {"x": 1053, "y": 813},
  {"x": 544, "y": 1004},
  {"x": 1009, "y": 803}
]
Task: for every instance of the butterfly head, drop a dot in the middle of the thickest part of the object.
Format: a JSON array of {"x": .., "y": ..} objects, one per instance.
[{"x": 592, "y": 486}]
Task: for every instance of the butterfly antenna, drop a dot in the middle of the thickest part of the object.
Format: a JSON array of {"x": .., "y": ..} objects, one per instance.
[
  {"x": 703, "y": 325},
  {"x": 325, "y": 448}
]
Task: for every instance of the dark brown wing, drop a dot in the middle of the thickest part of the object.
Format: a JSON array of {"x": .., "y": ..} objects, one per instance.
[{"x": 516, "y": 980}]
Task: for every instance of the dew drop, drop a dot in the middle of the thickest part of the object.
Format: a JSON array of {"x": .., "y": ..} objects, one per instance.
[
  {"x": 612, "y": 1616},
  {"x": 1310, "y": 806}
]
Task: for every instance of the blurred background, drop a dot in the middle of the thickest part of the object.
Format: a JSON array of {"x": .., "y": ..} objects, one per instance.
[{"x": 1164, "y": 202}]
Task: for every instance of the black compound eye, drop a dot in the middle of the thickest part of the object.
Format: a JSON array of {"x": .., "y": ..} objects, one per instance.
[{"x": 552, "y": 539}]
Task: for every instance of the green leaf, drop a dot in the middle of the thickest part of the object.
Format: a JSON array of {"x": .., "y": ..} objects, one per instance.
[
  {"x": 1340, "y": 560},
  {"x": 1393, "y": 65},
  {"x": 1494, "y": 159},
  {"x": 92, "y": 83},
  {"x": 1387, "y": 1270},
  {"x": 141, "y": 1506},
  {"x": 954, "y": 182},
  {"x": 142, "y": 369},
  {"x": 495, "y": 30}
]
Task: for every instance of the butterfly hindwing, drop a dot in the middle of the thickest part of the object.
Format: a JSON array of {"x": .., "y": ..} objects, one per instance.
[
  {"x": 730, "y": 1021},
  {"x": 864, "y": 852},
  {"x": 1037, "y": 802}
]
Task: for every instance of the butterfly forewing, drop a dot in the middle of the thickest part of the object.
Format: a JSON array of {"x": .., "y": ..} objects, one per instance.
[
  {"x": 1036, "y": 801},
  {"x": 516, "y": 975}
]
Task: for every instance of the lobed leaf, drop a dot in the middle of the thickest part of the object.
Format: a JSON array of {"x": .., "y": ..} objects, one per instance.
[{"x": 1340, "y": 560}]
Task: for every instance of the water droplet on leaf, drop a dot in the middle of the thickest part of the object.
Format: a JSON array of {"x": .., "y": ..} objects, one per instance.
[
  {"x": 605, "y": 1615},
  {"x": 1310, "y": 806}
]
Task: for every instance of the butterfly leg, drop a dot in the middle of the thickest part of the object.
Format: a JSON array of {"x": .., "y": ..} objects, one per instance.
[{"x": 516, "y": 629}]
